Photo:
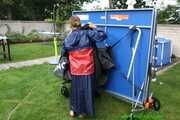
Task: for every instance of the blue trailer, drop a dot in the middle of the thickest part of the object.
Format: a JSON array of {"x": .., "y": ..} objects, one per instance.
[
  {"x": 163, "y": 52},
  {"x": 131, "y": 36}
]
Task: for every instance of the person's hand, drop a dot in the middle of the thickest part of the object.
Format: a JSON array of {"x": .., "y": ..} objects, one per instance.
[{"x": 91, "y": 25}]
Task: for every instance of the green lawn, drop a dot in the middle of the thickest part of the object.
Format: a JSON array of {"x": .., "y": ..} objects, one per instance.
[
  {"x": 20, "y": 52},
  {"x": 31, "y": 93}
]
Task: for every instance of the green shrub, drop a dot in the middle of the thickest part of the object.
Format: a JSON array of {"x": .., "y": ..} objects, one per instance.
[
  {"x": 33, "y": 36},
  {"x": 17, "y": 37}
]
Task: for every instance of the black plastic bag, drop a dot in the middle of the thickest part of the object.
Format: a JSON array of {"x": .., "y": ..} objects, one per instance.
[
  {"x": 62, "y": 69},
  {"x": 105, "y": 58}
]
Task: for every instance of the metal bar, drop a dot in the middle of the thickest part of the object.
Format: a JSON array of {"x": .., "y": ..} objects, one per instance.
[
  {"x": 139, "y": 95},
  {"x": 162, "y": 54},
  {"x": 4, "y": 49},
  {"x": 134, "y": 53},
  {"x": 125, "y": 26},
  {"x": 5, "y": 45},
  {"x": 133, "y": 83},
  {"x": 171, "y": 52},
  {"x": 106, "y": 21},
  {"x": 125, "y": 98},
  {"x": 152, "y": 38},
  {"x": 145, "y": 9},
  {"x": 9, "y": 51}
]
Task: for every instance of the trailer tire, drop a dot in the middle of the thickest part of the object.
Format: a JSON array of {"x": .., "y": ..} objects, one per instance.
[
  {"x": 156, "y": 104},
  {"x": 64, "y": 91}
]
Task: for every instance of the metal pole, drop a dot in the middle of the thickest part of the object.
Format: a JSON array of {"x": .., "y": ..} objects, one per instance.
[
  {"x": 55, "y": 38},
  {"x": 55, "y": 60},
  {"x": 134, "y": 53},
  {"x": 124, "y": 26}
]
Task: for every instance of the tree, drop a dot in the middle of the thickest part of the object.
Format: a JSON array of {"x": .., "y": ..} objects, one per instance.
[
  {"x": 38, "y": 9},
  {"x": 139, "y": 4},
  {"x": 7, "y": 5},
  {"x": 67, "y": 6},
  {"x": 169, "y": 15},
  {"x": 121, "y": 4}
]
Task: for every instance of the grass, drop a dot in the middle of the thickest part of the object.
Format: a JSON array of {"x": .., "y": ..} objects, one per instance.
[
  {"x": 21, "y": 52},
  {"x": 35, "y": 91},
  {"x": 169, "y": 93}
]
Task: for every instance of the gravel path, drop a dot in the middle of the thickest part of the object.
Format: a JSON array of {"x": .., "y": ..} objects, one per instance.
[
  {"x": 25, "y": 63},
  {"x": 167, "y": 68},
  {"x": 48, "y": 59}
]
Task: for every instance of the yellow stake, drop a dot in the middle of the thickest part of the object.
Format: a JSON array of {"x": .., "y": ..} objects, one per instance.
[{"x": 55, "y": 47}]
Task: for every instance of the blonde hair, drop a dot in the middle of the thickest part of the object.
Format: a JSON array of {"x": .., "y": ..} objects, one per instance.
[{"x": 75, "y": 22}]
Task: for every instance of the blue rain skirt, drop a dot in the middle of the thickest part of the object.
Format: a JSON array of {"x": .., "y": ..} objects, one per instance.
[{"x": 82, "y": 94}]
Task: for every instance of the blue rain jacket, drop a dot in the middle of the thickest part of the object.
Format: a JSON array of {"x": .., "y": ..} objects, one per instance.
[
  {"x": 79, "y": 45},
  {"x": 81, "y": 38}
]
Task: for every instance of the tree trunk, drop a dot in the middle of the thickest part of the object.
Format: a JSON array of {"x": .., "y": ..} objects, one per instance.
[
  {"x": 110, "y": 4},
  {"x": 9, "y": 13}
]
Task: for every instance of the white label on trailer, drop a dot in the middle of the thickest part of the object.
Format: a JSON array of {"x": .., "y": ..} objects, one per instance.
[
  {"x": 119, "y": 17},
  {"x": 103, "y": 17},
  {"x": 83, "y": 17}
]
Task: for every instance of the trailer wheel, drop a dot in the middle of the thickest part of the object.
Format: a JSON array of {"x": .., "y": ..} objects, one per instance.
[
  {"x": 65, "y": 91},
  {"x": 156, "y": 104}
]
